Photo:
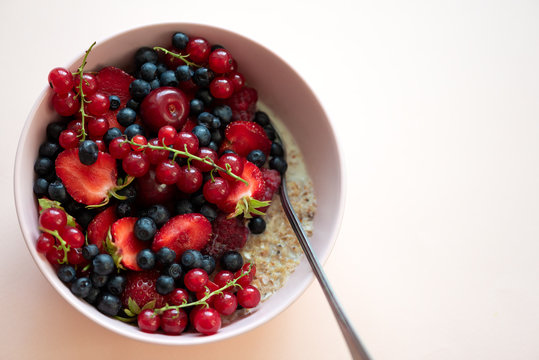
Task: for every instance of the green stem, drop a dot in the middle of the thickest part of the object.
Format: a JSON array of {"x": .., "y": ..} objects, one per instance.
[
  {"x": 190, "y": 156},
  {"x": 177, "y": 56},
  {"x": 80, "y": 73},
  {"x": 63, "y": 244}
]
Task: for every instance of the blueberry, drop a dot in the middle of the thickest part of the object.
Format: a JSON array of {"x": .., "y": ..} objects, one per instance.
[
  {"x": 146, "y": 54},
  {"x": 133, "y": 104},
  {"x": 161, "y": 68},
  {"x": 205, "y": 96},
  {"x": 112, "y": 134},
  {"x": 154, "y": 84},
  {"x": 184, "y": 206},
  {"x": 115, "y": 102},
  {"x": 130, "y": 192},
  {"x": 257, "y": 225},
  {"x": 54, "y": 129},
  {"x": 66, "y": 273},
  {"x": 159, "y": 214},
  {"x": 165, "y": 256},
  {"x": 124, "y": 209},
  {"x": 109, "y": 304},
  {"x": 41, "y": 187},
  {"x": 198, "y": 199},
  {"x": 168, "y": 78},
  {"x": 203, "y": 134},
  {"x": 164, "y": 284},
  {"x": 98, "y": 281},
  {"x": 180, "y": 40},
  {"x": 261, "y": 118},
  {"x": 116, "y": 284},
  {"x": 103, "y": 264},
  {"x": 279, "y": 164},
  {"x": 139, "y": 89},
  {"x": 44, "y": 166},
  {"x": 57, "y": 191},
  {"x": 81, "y": 287},
  {"x": 276, "y": 149},
  {"x": 205, "y": 118},
  {"x": 196, "y": 107},
  {"x": 146, "y": 259},
  {"x": 270, "y": 132},
  {"x": 191, "y": 259},
  {"x": 213, "y": 145},
  {"x": 173, "y": 270},
  {"x": 203, "y": 77},
  {"x": 257, "y": 157},
  {"x": 184, "y": 73},
  {"x": 208, "y": 264},
  {"x": 84, "y": 217},
  {"x": 209, "y": 211},
  {"x": 148, "y": 71},
  {"x": 49, "y": 150},
  {"x": 91, "y": 298},
  {"x": 88, "y": 152},
  {"x": 132, "y": 130},
  {"x": 215, "y": 123},
  {"x": 126, "y": 116},
  {"x": 231, "y": 261},
  {"x": 228, "y": 151},
  {"x": 216, "y": 136},
  {"x": 90, "y": 251},
  {"x": 145, "y": 229}
]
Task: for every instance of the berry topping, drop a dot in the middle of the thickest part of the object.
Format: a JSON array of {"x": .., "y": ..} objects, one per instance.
[
  {"x": 124, "y": 244},
  {"x": 246, "y": 136}
]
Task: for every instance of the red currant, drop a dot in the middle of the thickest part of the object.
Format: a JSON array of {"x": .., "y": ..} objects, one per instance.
[
  {"x": 177, "y": 297},
  {"x": 209, "y": 288},
  {"x": 61, "y": 80},
  {"x": 198, "y": 49},
  {"x": 248, "y": 297},
  {"x": 89, "y": 84},
  {"x": 237, "y": 80},
  {"x": 68, "y": 139},
  {"x": 220, "y": 61},
  {"x": 223, "y": 277},
  {"x": 140, "y": 140},
  {"x": 216, "y": 191},
  {"x": 221, "y": 87},
  {"x": 189, "y": 180},
  {"x": 72, "y": 236},
  {"x": 136, "y": 164},
  {"x": 97, "y": 127},
  {"x": 98, "y": 104},
  {"x": 156, "y": 156},
  {"x": 75, "y": 125},
  {"x": 167, "y": 172},
  {"x": 119, "y": 148},
  {"x": 234, "y": 65},
  {"x": 44, "y": 243},
  {"x": 53, "y": 219},
  {"x": 207, "y": 321},
  {"x": 225, "y": 303},
  {"x": 186, "y": 139},
  {"x": 100, "y": 145},
  {"x": 174, "y": 321},
  {"x": 167, "y": 135},
  {"x": 148, "y": 321},
  {"x": 65, "y": 104},
  {"x": 74, "y": 256},
  {"x": 195, "y": 279},
  {"x": 245, "y": 280},
  {"x": 205, "y": 152},
  {"x": 54, "y": 256},
  {"x": 236, "y": 165}
]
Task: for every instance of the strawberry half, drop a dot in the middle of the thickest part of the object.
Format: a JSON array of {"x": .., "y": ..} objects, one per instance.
[
  {"x": 99, "y": 227},
  {"x": 228, "y": 234},
  {"x": 124, "y": 246},
  {"x": 245, "y": 199},
  {"x": 140, "y": 287},
  {"x": 183, "y": 232},
  {"x": 244, "y": 137},
  {"x": 87, "y": 184}
]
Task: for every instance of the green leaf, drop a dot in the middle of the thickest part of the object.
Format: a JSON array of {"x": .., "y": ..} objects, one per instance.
[
  {"x": 133, "y": 306},
  {"x": 129, "y": 313},
  {"x": 149, "y": 305},
  {"x": 45, "y": 204},
  {"x": 127, "y": 320},
  {"x": 113, "y": 251}
]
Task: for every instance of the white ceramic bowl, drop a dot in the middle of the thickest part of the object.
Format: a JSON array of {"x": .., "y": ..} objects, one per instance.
[{"x": 280, "y": 88}]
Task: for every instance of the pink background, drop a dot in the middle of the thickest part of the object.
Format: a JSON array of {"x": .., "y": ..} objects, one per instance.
[{"x": 436, "y": 107}]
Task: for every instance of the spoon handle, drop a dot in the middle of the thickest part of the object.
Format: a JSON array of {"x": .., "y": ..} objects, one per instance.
[{"x": 354, "y": 344}]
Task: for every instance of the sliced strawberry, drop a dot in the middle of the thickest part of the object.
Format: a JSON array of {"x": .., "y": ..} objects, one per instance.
[
  {"x": 243, "y": 100},
  {"x": 110, "y": 116},
  {"x": 126, "y": 245},
  {"x": 114, "y": 81},
  {"x": 140, "y": 287},
  {"x": 228, "y": 234},
  {"x": 182, "y": 232},
  {"x": 189, "y": 125},
  {"x": 99, "y": 227},
  {"x": 246, "y": 136},
  {"x": 245, "y": 199},
  {"x": 87, "y": 184},
  {"x": 272, "y": 181}
]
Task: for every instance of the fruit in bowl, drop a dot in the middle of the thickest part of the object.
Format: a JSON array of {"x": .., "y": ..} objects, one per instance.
[{"x": 155, "y": 186}]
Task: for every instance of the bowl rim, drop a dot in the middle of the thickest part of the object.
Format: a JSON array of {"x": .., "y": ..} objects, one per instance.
[{"x": 165, "y": 339}]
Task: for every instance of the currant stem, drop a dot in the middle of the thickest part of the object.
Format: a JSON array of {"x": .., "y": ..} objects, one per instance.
[
  {"x": 63, "y": 244},
  {"x": 80, "y": 73},
  {"x": 190, "y": 156},
  {"x": 177, "y": 56}
]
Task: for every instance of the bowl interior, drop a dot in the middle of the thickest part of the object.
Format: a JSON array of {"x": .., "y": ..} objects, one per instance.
[{"x": 279, "y": 87}]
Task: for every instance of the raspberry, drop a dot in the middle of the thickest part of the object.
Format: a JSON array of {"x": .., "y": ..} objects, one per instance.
[
  {"x": 243, "y": 100},
  {"x": 228, "y": 234}
]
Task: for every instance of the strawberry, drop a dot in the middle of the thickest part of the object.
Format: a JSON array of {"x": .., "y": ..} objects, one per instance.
[
  {"x": 245, "y": 199},
  {"x": 114, "y": 81},
  {"x": 228, "y": 234},
  {"x": 140, "y": 287},
  {"x": 189, "y": 125},
  {"x": 182, "y": 232},
  {"x": 99, "y": 227},
  {"x": 272, "y": 181},
  {"x": 87, "y": 184},
  {"x": 244, "y": 137},
  {"x": 124, "y": 246},
  {"x": 243, "y": 100}
]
